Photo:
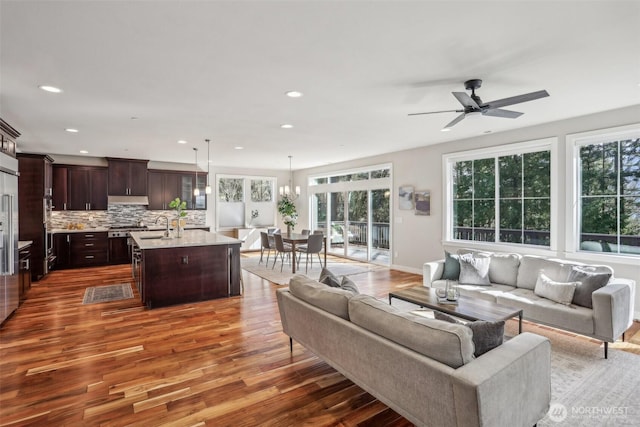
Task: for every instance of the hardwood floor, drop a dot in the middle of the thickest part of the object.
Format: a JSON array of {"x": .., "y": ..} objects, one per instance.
[{"x": 223, "y": 362}]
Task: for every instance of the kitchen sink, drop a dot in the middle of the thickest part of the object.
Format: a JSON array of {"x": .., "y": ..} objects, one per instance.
[{"x": 155, "y": 236}]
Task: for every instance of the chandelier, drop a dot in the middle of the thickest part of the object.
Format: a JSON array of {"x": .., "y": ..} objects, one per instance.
[{"x": 286, "y": 190}]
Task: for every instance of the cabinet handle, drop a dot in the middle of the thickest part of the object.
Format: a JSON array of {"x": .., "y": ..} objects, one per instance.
[
  {"x": 88, "y": 244},
  {"x": 64, "y": 206},
  {"x": 68, "y": 240},
  {"x": 89, "y": 257},
  {"x": 88, "y": 235}
]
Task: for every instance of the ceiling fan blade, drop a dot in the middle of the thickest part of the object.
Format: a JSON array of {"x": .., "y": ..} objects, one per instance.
[
  {"x": 436, "y": 112},
  {"x": 454, "y": 121},
  {"x": 497, "y": 112},
  {"x": 465, "y": 100},
  {"x": 516, "y": 99}
]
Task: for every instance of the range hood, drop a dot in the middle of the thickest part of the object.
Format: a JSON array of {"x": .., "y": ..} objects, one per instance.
[{"x": 128, "y": 200}]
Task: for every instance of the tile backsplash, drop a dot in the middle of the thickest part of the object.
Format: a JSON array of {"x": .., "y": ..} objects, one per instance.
[{"x": 120, "y": 215}]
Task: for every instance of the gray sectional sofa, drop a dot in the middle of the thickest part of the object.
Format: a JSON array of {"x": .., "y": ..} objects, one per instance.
[
  {"x": 422, "y": 368},
  {"x": 604, "y": 314}
]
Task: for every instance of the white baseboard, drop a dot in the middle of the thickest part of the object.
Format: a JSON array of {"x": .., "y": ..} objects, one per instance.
[{"x": 406, "y": 269}]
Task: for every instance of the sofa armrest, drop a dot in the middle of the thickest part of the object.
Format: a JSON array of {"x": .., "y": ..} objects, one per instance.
[
  {"x": 432, "y": 271},
  {"x": 516, "y": 374},
  {"x": 613, "y": 308}
]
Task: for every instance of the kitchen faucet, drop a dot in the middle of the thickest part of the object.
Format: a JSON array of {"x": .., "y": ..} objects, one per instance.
[{"x": 166, "y": 233}]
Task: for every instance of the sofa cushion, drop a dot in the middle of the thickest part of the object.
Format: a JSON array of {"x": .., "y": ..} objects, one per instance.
[
  {"x": 531, "y": 266},
  {"x": 503, "y": 269},
  {"x": 542, "y": 310},
  {"x": 588, "y": 282},
  {"x": 328, "y": 278},
  {"x": 561, "y": 292},
  {"x": 333, "y": 300},
  {"x": 447, "y": 343},
  {"x": 474, "y": 269},
  {"x": 451, "y": 267},
  {"x": 486, "y": 335}
]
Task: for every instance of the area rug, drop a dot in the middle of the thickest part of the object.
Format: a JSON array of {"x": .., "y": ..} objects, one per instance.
[
  {"x": 96, "y": 294},
  {"x": 338, "y": 266},
  {"x": 587, "y": 390}
]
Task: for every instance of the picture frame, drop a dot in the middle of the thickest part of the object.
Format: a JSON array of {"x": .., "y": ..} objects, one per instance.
[
  {"x": 405, "y": 197},
  {"x": 422, "y": 202}
]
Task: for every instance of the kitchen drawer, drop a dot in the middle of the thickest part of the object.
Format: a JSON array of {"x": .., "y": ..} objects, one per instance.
[
  {"x": 87, "y": 258},
  {"x": 81, "y": 245}
]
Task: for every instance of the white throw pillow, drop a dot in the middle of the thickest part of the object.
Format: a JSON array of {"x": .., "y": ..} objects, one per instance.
[
  {"x": 555, "y": 291},
  {"x": 474, "y": 270}
]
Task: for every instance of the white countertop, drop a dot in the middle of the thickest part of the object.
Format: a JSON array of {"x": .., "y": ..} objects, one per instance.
[
  {"x": 153, "y": 240},
  {"x": 23, "y": 244},
  {"x": 84, "y": 230}
]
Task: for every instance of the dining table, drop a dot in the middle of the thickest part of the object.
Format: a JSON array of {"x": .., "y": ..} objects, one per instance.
[{"x": 298, "y": 239}]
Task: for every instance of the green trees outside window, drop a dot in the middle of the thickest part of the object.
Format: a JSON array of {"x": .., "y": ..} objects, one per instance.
[
  {"x": 522, "y": 211},
  {"x": 610, "y": 197}
]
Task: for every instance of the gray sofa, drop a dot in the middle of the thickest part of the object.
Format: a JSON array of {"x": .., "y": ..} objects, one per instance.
[
  {"x": 422, "y": 368},
  {"x": 513, "y": 279}
]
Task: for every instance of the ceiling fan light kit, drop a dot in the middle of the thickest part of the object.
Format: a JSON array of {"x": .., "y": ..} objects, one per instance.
[{"x": 473, "y": 105}]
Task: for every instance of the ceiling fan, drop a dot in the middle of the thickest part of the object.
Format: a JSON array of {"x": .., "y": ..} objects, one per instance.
[{"x": 473, "y": 105}]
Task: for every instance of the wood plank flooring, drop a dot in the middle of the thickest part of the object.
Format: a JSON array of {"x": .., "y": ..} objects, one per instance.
[
  {"x": 224, "y": 362},
  {"x": 218, "y": 363}
]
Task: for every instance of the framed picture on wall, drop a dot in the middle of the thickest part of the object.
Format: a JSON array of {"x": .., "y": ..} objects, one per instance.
[
  {"x": 405, "y": 197},
  {"x": 422, "y": 201}
]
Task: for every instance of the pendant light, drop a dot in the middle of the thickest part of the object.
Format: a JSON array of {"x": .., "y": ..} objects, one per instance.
[
  {"x": 196, "y": 190},
  {"x": 207, "y": 189},
  {"x": 287, "y": 188}
]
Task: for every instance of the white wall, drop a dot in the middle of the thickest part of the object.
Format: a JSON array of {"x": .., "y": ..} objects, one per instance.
[{"x": 417, "y": 239}]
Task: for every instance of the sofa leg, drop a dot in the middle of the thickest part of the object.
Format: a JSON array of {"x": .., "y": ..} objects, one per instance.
[
  {"x": 623, "y": 337},
  {"x": 606, "y": 350},
  {"x": 290, "y": 345}
]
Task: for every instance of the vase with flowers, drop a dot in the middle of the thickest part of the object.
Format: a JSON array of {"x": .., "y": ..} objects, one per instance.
[
  {"x": 287, "y": 209},
  {"x": 180, "y": 208}
]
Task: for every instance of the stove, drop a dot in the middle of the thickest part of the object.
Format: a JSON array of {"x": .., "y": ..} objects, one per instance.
[{"x": 124, "y": 230}]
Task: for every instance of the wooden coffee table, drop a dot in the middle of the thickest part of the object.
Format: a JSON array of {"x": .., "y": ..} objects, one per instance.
[{"x": 467, "y": 308}]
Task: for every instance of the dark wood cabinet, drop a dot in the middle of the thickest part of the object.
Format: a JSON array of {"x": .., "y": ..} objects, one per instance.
[
  {"x": 8, "y": 135},
  {"x": 81, "y": 249},
  {"x": 86, "y": 188},
  {"x": 32, "y": 203},
  {"x": 24, "y": 275},
  {"x": 163, "y": 188},
  {"x": 119, "y": 250},
  {"x": 127, "y": 177},
  {"x": 60, "y": 183}
]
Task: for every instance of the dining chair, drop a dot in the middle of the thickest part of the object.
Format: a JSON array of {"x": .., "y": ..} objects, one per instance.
[
  {"x": 318, "y": 231},
  {"x": 305, "y": 232},
  {"x": 281, "y": 249},
  {"x": 265, "y": 244},
  {"x": 313, "y": 246}
]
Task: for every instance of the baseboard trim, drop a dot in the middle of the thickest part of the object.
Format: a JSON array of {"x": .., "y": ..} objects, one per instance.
[{"x": 406, "y": 269}]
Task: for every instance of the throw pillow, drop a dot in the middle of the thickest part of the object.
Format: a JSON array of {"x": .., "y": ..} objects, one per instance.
[
  {"x": 474, "y": 270},
  {"x": 451, "y": 267},
  {"x": 561, "y": 292},
  {"x": 328, "y": 278},
  {"x": 486, "y": 335},
  {"x": 588, "y": 282},
  {"x": 348, "y": 285}
]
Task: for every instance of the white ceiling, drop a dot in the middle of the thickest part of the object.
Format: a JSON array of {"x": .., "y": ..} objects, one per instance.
[{"x": 212, "y": 69}]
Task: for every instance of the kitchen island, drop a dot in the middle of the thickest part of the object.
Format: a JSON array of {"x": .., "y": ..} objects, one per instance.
[{"x": 198, "y": 266}]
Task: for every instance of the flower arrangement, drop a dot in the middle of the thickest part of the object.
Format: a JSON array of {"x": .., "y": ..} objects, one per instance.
[
  {"x": 254, "y": 214},
  {"x": 179, "y": 206},
  {"x": 287, "y": 209}
]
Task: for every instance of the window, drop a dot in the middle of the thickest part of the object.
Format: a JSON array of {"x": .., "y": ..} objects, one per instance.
[
  {"x": 501, "y": 195},
  {"x": 608, "y": 191}
]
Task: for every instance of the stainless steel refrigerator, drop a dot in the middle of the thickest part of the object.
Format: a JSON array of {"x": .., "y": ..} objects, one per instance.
[{"x": 9, "y": 282}]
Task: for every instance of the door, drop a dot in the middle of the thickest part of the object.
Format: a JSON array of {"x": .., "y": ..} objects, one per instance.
[
  {"x": 98, "y": 179},
  {"x": 357, "y": 225},
  {"x": 156, "y": 191},
  {"x": 60, "y": 188},
  {"x": 78, "y": 189},
  {"x": 336, "y": 230}
]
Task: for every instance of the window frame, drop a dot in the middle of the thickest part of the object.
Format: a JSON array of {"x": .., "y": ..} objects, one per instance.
[
  {"x": 573, "y": 207},
  {"x": 449, "y": 159}
]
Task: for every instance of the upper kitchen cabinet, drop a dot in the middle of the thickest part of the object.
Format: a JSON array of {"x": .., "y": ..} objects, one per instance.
[
  {"x": 127, "y": 177},
  {"x": 86, "y": 188},
  {"x": 163, "y": 188},
  {"x": 60, "y": 179},
  {"x": 8, "y": 135}
]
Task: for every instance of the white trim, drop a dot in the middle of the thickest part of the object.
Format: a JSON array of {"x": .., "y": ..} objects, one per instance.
[{"x": 349, "y": 171}]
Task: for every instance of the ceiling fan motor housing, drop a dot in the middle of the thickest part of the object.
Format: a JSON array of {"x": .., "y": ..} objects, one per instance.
[{"x": 472, "y": 85}]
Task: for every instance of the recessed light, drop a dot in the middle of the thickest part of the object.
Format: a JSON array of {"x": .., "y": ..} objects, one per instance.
[
  {"x": 445, "y": 129},
  {"x": 238, "y": 148},
  {"x": 286, "y": 126},
  {"x": 182, "y": 141},
  {"x": 51, "y": 89},
  {"x": 293, "y": 94},
  {"x": 84, "y": 152},
  {"x": 71, "y": 130}
]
